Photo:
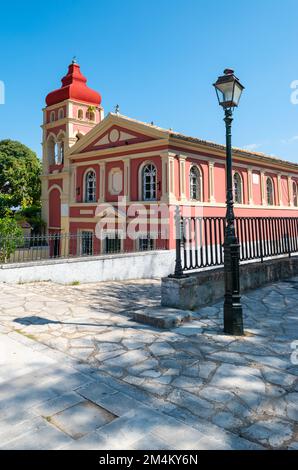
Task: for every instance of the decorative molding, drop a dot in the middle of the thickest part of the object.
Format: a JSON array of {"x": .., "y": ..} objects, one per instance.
[
  {"x": 86, "y": 212},
  {"x": 115, "y": 181},
  {"x": 109, "y": 151},
  {"x": 55, "y": 186}
]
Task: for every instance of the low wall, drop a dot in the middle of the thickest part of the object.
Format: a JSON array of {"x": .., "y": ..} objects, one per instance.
[
  {"x": 205, "y": 287},
  {"x": 120, "y": 267}
]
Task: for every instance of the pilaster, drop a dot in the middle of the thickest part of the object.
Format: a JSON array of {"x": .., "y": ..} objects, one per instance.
[
  {"x": 211, "y": 181},
  {"x": 263, "y": 189},
  {"x": 182, "y": 177},
  {"x": 126, "y": 178},
  {"x": 279, "y": 196},
  {"x": 102, "y": 182},
  {"x": 249, "y": 185},
  {"x": 290, "y": 191}
]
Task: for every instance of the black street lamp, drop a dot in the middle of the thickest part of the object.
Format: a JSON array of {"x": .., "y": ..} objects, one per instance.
[{"x": 229, "y": 89}]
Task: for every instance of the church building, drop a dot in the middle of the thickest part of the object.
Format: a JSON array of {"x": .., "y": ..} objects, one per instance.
[{"x": 91, "y": 161}]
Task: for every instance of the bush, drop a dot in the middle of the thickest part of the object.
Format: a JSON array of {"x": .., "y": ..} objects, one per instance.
[
  {"x": 32, "y": 215},
  {"x": 11, "y": 237}
]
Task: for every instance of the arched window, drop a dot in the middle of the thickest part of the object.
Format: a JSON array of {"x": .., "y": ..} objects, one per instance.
[
  {"x": 80, "y": 114},
  {"x": 237, "y": 188},
  {"x": 269, "y": 190},
  {"x": 195, "y": 184},
  {"x": 60, "y": 152},
  {"x": 60, "y": 149},
  {"x": 149, "y": 182},
  {"x": 90, "y": 186},
  {"x": 61, "y": 113},
  {"x": 295, "y": 194},
  {"x": 52, "y": 116},
  {"x": 90, "y": 115},
  {"x": 51, "y": 144}
]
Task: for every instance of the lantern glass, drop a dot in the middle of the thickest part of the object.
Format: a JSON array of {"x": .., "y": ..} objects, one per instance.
[
  {"x": 228, "y": 89},
  {"x": 237, "y": 92}
]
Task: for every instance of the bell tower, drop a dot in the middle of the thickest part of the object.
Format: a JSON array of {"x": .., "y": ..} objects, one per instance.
[{"x": 71, "y": 112}]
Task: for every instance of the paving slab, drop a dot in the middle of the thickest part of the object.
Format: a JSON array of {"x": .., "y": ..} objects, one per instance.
[
  {"x": 161, "y": 317},
  {"x": 81, "y": 419},
  {"x": 75, "y": 355}
]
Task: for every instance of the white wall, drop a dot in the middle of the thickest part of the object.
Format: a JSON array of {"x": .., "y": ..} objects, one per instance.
[{"x": 153, "y": 264}]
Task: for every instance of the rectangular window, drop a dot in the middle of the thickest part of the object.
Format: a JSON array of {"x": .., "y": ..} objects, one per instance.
[
  {"x": 87, "y": 243},
  {"x": 112, "y": 244},
  {"x": 146, "y": 244}
]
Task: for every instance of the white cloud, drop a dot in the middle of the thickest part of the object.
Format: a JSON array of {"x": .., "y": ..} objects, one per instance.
[
  {"x": 252, "y": 146},
  {"x": 290, "y": 140}
]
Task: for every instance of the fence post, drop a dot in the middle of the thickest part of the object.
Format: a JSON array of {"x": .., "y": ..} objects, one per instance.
[
  {"x": 178, "y": 273},
  {"x": 287, "y": 238},
  {"x": 261, "y": 240}
]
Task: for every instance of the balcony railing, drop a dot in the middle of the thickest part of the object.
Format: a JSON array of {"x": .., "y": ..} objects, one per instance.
[{"x": 200, "y": 244}]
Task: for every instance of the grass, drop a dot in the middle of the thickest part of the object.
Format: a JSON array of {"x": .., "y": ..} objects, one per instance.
[
  {"x": 75, "y": 283},
  {"x": 21, "y": 332}
]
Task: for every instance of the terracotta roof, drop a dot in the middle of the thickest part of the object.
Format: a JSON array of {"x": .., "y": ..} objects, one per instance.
[{"x": 195, "y": 140}]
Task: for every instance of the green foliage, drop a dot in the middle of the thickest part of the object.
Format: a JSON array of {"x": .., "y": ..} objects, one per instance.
[
  {"x": 20, "y": 171},
  {"x": 32, "y": 215},
  {"x": 11, "y": 236},
  {"x": 91, "y": 109},
  {"x": 6, "y": 202}
]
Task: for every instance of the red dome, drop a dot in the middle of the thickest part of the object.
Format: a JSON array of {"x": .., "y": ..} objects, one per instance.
[{"x": 74, "y": 87}]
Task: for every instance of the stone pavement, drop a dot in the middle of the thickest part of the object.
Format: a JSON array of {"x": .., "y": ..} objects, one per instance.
[{"x": 77, "y": 372}]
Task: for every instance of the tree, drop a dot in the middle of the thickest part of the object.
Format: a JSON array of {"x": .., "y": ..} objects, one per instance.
[
  {"x": 32, "y": 215},
  {"x": 20, "y": 171},
  {"x": 11, "y": 236}
]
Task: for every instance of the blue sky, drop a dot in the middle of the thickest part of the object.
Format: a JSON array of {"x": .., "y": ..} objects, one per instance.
[{"x": 158, "y": 60}]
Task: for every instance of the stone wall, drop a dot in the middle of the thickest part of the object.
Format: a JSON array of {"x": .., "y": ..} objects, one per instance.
[
  {"x": 205, "y": 287},
  {"x": 120, "y": 267}
]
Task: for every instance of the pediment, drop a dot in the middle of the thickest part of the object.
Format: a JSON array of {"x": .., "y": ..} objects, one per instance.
[
  {"x": 116, "y": 136},
  {"x": 117, "y": 131}
]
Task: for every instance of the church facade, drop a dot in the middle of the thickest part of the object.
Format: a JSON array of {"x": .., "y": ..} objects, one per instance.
[{"x": 96, "y": 166}]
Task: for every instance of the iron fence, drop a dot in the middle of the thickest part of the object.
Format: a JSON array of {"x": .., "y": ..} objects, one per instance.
[
  {"x": 72, "y": 245},
  {"x": 201, "y": 241}
]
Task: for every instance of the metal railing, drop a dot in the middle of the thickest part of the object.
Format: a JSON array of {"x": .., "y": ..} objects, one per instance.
[
  {"x": 200, "y": 244},
  {"x": 72, "y": 245}
]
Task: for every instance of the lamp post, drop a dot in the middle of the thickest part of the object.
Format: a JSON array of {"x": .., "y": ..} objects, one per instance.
[{"x": 228, "y": 90}]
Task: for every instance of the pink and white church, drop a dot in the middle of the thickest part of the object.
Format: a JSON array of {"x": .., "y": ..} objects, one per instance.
[{"x": 90, "y": 160}]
